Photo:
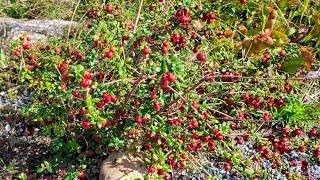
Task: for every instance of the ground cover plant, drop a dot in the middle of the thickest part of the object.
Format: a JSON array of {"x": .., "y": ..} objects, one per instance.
[{"x": 176, "y": 81}]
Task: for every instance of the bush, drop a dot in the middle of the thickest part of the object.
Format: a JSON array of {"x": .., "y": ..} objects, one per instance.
[{"x": 173, "y": 81}]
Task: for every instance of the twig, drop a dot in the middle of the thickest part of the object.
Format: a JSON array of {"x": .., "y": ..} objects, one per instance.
[
  {"x": 176, "y": 92},
  {"x": 138, "y": 17},
  {"x": 222, "y": 113}
]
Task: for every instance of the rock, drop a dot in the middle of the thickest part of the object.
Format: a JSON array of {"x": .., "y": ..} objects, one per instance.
[
  {"x": 122, "y": 166},
  {"x": 11, "y": 29}
]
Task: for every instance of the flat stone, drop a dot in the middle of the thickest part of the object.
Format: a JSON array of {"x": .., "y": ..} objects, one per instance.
[
  {"x": 122, "y": 166},
  {"x": 12, "y": 29}
]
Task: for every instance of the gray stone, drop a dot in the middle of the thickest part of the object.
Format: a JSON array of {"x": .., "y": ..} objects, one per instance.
[
  {"x": 122, "y": 166},
  {"x": 12, "y": 29}
]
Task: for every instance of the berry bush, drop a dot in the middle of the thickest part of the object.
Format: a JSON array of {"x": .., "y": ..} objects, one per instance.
[{"x": 176, "y": 80}]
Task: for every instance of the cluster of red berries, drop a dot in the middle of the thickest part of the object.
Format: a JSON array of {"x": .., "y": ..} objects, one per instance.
[
  {"x": 178, "y": 41},
  {"x": 110, "y": 52},
  {"x": 253, "y": 101},
  {"x": 266, "y": 59},
  {"x": 209, "y": 17},
  {"x": 175, "y": 122},
  {"x": 167, "y": 78},
  {"x": 86, "y": 80},
  {"x": 183, "y": 16},
  {"x": 140, "y": 120},
  {"x": 106, "y": 99}
]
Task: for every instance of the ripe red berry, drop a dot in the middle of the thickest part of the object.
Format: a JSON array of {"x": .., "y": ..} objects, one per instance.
[
  {"x": 201, "y": 57},
  {"x": 138, "y": 120},
  {"x": 26, "y": 45},
  {"x": 170, "y": 77},
  {"x": 157, "y": 106},
  {"x": 151, "y": 169},
  {"x": 285, "y": 131},
  {"x": 184, "y": 19},
  {"x": 313, "y": 132},
  {"x": 316, "y": 153},
  {"x": 85, "y": 83},
  {"x": 298, "y": 132},
  {"x": 219, "y": 137},
  {"x": 76, "y": 94},
  {"x": 164, "y": 82},
  {"x": 243, "y": 1},
  {"x": 227, "y": 167},
  {"x": 109, "y": 9},
  {"x": 87, "y": 75},
  {"x": 266, "y": 117},
  {"x": 85, "y": 124},
  {"x": 302, "y": 149},
  {"x": 146, "y": 51},
  {"x": 109, "y": 54},
  {"x": 194, "y": 124},
  {"x": 164, "y": 50},
  {"x": 82, "y": 175}
]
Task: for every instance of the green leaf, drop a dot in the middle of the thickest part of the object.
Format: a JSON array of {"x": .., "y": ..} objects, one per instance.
[{"x": 40, "y": 170}]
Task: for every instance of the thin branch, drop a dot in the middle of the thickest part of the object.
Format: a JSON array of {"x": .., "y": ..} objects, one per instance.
[{"x": 138, "y": 17}]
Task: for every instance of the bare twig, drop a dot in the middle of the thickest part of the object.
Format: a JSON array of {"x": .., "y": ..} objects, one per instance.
[{"x": 138, "y": 17}]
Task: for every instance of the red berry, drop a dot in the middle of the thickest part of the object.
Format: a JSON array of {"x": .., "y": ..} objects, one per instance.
[
  {"x": 215, "y": 132},
  {"x": 82, "y": 175},
  {"x": 201, "y": 57},
  {"x": 164, "y": 50},
  {"x": 184, "y": 19},
  {"x": 76, "y": 94},
  {"x": 26, "y": 45},
  {"x": 161, "y": 172},
  {"x": 146, "y": 51},
  {"x": 165, "y": 44},
  {"x": 171, "y": 78},
  {"x": 316, "y": 153},
  {"x": 266, "y": 117},
  {"x": 85, "y": 83},
  {"x": 109, "y": 9},
  {"x": 157, "y": 106},
  {"x": 194, "y": 124},
  {"x": 227, "y": 167},
  {"x": 298, "y": 132},
  {"x": 285, "y": 131},
  {"x": 164, "y": 82},
  {"x": 151, "y": 169},
  {"x": 109, "y": 54},
  {"x": 219, "y": 137},
  {"x": 138, "y": 120},
  {"x": 85, "y": 124},
  {"x": 243, "y": 1},
  {"x": 87, "y": 75},
  {"x": 302, "y": 149},
  {"x": 313, "y": 132},
  {"x": 106, "y": 97}
]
